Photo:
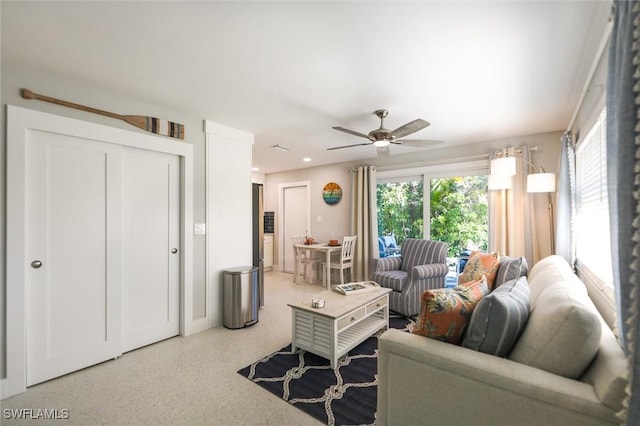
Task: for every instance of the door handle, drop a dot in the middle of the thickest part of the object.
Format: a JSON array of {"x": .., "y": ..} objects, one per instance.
[
  {"x": 174, "y": 250},
  {"x": 36, "y": 264}
]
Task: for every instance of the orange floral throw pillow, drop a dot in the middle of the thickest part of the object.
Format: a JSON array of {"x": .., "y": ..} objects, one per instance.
[
  {"x": 445, "y": 312},
  {"x": 480, "y": 264}
]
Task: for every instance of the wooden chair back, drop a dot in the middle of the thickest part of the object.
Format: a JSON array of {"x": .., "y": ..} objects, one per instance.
[{"x": 348, "y": 246}]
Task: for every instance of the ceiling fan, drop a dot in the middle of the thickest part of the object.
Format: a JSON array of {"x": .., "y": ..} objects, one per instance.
[{"x": 382, "y": 137}]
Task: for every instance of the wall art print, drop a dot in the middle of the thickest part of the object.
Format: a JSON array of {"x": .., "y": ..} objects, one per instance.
[{"x": 332, "y": 193}]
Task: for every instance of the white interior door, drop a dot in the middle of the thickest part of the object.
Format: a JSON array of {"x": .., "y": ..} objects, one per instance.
[
  {"x": 151, "y": 259},
  {"x": 295, "y": 220},
  {"x": 73, "y": 297}
]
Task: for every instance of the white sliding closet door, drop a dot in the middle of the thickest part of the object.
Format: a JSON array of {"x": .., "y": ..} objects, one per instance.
[
  {"x": 97, "y": 244},
  {"x": 73, "y": 220},
  {"x": 151, "y": 259}
]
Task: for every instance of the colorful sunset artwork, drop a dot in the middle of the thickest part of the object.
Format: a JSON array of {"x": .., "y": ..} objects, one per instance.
[{"x": 332, "y": 193}]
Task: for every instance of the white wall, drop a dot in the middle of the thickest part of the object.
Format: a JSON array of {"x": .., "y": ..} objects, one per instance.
[{"x": 229, "y": 208}]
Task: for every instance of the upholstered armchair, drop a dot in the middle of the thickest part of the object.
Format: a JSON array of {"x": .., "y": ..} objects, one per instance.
[{"x": 421, "y": 266}]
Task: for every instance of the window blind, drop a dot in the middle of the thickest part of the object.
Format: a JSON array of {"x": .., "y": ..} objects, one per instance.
[{"x": 592, "y": 203}]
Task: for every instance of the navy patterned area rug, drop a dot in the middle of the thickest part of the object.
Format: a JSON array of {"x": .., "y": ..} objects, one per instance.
[{"x": 344, "y": 396}]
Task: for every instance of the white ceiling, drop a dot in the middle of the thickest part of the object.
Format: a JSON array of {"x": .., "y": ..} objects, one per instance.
[{"x": 289, "y": 71}]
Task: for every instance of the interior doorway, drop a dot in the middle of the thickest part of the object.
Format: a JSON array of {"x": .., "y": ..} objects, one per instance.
[{"x": 295, "y": 220}]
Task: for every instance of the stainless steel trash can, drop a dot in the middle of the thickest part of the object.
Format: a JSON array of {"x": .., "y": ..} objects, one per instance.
[{"x": 241, "y": 296}]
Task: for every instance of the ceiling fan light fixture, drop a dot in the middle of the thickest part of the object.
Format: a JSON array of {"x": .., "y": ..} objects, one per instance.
[
  {"x": 382, "y": 143},
  {"x": 381, "y": 138}
]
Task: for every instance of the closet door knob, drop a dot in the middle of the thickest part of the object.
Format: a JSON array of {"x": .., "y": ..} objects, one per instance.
[
  {"x": 36, "y": 264},
  {"x": 174, "y": 250}
]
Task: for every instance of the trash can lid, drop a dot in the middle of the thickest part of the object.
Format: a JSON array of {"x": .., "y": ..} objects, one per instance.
[{"x": 241, "y": 269}]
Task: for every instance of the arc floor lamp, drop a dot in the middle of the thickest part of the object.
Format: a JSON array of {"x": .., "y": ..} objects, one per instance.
[{"x": 503, "y": 168}]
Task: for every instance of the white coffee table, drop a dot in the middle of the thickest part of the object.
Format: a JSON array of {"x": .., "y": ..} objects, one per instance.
[{"x": 344, "y": 322}]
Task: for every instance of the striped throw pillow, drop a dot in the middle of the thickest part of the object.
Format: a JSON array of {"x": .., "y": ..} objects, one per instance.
[
  {"x": 499, "y": 318},
  {"x": 511, "y": 268}
]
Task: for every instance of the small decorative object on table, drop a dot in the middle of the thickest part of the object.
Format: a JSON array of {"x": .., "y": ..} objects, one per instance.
[
  {"x": 334, "y": 243},
  {"x": 355, "y": 288}
]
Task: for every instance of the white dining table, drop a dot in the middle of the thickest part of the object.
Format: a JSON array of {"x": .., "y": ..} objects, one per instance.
[{"x": 319, "y": 247}]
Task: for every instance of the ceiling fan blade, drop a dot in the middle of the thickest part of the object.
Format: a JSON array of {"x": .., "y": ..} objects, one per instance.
[
  {"x": 420, "y": 143},
  {"x": 409, "y": 128},
  {"x": 352, "y": 132},
  {"x": 349, "y": 146}
]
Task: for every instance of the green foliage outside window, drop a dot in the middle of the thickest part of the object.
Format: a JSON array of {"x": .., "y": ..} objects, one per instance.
[
  {"x": 459, "y": 211},
  {"x": 400, "y": 209}
]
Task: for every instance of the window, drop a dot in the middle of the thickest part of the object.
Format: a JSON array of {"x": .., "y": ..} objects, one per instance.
[
  {"x": 453, "y": 210},
  {"x": 592, "y": 205}
]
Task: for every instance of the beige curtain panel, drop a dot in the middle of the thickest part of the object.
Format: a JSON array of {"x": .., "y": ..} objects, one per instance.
[{"x": 364, "y": 220}]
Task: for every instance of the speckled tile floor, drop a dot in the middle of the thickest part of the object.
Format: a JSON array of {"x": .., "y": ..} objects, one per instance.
[{"x": 180, "y": 381}]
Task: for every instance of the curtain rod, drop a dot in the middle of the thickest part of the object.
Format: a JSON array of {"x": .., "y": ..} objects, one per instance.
[
  {"x": 512, "y": 151},
  {"x": 592, "y": 70}
]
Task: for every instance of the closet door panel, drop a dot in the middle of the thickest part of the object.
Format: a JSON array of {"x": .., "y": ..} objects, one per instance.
[
  {"x": 73, "y": 280},
  {"x": 151, "y": 259}
]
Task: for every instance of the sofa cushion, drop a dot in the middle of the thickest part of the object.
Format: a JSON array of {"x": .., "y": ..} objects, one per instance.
[
  {"x": 499, "y": 318},
  {"x": 511, "y": 268},
  {"x": 445, "y": 312},
  {"x": 553, "y": 269},
  {"x": 480, "y": 264},
  {"x": 562, "y": 335}
]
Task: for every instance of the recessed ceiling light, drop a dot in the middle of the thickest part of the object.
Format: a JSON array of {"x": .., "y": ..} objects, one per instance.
[
  {"x": 306, "y": 159},
  {"x": 255, "y": 169}
]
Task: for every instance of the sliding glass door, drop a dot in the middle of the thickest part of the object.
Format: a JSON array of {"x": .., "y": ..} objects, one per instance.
[
  {"x": 454, "y": 209},
  {"x": 459, "y": 213},
  {"x": 401, "y": 208}
]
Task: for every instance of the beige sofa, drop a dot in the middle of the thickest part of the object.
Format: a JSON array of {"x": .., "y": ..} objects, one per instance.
[{"x": 426, "y": 381}]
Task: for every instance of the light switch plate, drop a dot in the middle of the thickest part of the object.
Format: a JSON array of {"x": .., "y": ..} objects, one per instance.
[{"x": 199, "y": 228}]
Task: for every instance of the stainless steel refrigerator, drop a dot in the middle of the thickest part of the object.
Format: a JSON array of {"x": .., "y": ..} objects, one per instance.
[{"x": 258, "y": 236}]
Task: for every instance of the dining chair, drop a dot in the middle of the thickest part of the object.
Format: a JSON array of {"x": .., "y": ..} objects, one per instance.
[
  {"x": 304, "y": 259},
  {"x": 345, "y": 260}
]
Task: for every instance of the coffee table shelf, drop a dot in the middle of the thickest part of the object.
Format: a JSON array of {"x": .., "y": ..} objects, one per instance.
[
  {"x": 352, "y": 336},
  {"x": 344, "y": 323}
]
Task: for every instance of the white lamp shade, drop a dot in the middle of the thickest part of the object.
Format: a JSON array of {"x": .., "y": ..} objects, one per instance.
[
  {"x": 500, "y": 182},
  {"x": 541, "y": 182},
  {"x": 503, "y": 166},
  {"x": 382, "y": 143}
]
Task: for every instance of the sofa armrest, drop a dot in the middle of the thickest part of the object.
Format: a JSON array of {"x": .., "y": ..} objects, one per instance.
[
  {"x": 423, "y": 380},
  {"x": 386, "y": 264},
  {"x": 429, "y": 271}
]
